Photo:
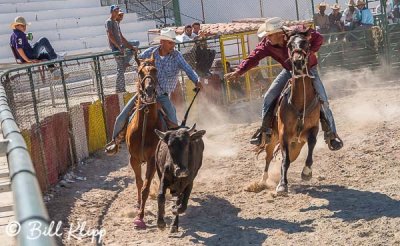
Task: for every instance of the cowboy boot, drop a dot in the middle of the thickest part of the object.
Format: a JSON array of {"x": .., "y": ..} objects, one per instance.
[
  {"x": 265, "y": 130},
  {"x": 330, "y": 135},
  {"x": 113, "y": 146}
]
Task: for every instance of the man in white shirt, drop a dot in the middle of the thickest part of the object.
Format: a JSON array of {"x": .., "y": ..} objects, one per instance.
[{"x": 188, "y": 35}]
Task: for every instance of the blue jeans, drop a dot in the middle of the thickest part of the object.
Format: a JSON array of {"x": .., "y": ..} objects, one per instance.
[
  {"x": 279, "y": 83},
  {"x": 129, "y": 53},
  {"x": 42, "y": 49},
  {"x": 122, "y": 62},
  {"x": 122, "y": 118}
]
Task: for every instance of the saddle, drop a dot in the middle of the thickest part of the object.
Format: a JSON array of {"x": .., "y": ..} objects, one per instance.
[{"x": 163, "y": 117}]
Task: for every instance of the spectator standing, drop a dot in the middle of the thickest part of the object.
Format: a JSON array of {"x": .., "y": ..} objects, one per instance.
[
  {"x": 350, "y": 16},
  {"x": 335, "y": 19},
  {"x": 364, "y": 16},
  {"x": 131, "y": 45},
  {"x": 395, "y": 7},
  {"x": 321, "y": 20},
  {"x": 187, "y": 35},
  {"x": 117, "y": 43},
  {"x": 196, "y": 28}
]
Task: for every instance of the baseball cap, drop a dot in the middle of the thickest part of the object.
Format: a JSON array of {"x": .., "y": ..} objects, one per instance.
[{"x": 114, "y": 7}]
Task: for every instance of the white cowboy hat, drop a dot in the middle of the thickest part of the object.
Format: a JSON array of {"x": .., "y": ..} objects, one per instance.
[
  {"x": 166, "y": 34},
  {"x": 19, "y": 21},
  {"x": 322, "y": 4},
  {"x": 270, "y": 26},
  {"x": 335, "y": 6},
  {"x": 360, "y": 2},
  {"x": 351, "y": 3}
]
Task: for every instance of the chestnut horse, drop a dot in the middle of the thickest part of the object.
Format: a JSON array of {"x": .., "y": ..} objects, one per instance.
[
  {"x": 140, "y": 137},
  {"x": 297, "y": 116}
]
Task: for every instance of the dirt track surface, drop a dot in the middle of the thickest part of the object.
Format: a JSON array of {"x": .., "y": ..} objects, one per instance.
[{"x": 352, "y": 199}]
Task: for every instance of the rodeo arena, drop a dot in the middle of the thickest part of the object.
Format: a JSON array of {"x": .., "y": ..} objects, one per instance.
[{"x": 207, "y": 122}]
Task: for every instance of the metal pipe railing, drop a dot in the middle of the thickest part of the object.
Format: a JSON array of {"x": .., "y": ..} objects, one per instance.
[{"x": 29, "y": 208}]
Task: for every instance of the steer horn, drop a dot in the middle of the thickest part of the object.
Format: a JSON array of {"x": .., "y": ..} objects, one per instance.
[
  {"x": 160, "y": 134},
  {"x": 191, "y": 130}
]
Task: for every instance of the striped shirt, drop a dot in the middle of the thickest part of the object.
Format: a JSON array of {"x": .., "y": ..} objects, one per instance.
[{"x": 168, "y": 69}]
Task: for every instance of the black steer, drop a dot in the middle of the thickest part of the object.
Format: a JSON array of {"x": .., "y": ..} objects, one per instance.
[{"x": 179, "y": 156}]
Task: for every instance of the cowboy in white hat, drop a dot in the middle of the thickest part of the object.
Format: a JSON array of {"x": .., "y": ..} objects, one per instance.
[
  {"x": 41, "y": 50},
  {"x": 349, "y": 16},
  {"x": 335, "y": 19},
  {"x": 168, "y": 62},
  {"x": 274, "y": 44},
  {"x": 364, "y": 16},
  {"x": 321, "y": 20}
]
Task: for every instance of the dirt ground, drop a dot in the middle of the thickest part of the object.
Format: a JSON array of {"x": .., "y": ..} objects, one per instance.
[{"x": 352, "y": 199}]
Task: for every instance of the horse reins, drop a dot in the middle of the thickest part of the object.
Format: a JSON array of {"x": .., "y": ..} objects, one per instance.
[
  {"x": 294, "y": 77},
  {"x": 145, "y": 108},
  {"x": 197, "y": 90}
]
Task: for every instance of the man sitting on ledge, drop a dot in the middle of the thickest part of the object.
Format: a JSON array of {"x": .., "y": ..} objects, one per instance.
[{"x": 41, "y": 50}]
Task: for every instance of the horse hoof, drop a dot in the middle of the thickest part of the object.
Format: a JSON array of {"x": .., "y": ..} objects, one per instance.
[
  {"x": 306, "y": 177},
  {"x": 281, "y": 189},
  {"x": 161, "y": 224},
  {"x": 174, "y": 229},
  {"x": 306, "y": 174},
  {"x": 139, "y": 224}
]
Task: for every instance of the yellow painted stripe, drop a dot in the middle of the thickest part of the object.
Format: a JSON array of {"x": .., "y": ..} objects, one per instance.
[
  {"x": 27, "y": 137},
  {"x": 97, "y": 129},
  {"x": 127, "y": 97}
]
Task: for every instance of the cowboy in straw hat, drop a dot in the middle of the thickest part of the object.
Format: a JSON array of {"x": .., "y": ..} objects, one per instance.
[
  {"x": 350, "y": 16},
  {"x": 41, "y": 50},
  {"x": 351, "y": 3},
  {"x": 336, "y": 24},
  {"x": 168, "y": 62},
  {"x": 273, "y": 44},
  {"x": 321, "y": 20},
  {"x": 364, "y": 16}
]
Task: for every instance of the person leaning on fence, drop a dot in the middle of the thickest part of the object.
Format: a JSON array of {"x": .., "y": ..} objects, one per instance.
[
  {"x": 187, "y": 35},
  {"x": 364, "y": 16},
  {"x": 168, "y": 62},
  {"x": 130, "y": 45},
  {"x": 196, "y": 28},
  {"x": 321, "y": 20},
  {"x": 349, "y": 16},
  {"x": 117, "y": 42},
  {"x": 335, "y": 19},
  {"x": 274, "y": 44},
  {"x": 395, "y": 7},
  {"x": 41, "y": 50}
]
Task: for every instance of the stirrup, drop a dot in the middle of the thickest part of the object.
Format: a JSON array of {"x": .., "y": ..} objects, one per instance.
[
  {"x": 111, "y": 148},
  {"x": 333, "y": 140}
]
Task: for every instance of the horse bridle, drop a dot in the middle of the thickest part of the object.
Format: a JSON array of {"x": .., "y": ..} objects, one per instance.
[
  {"x": 306, "y": 56},
  {"x": 301, "y": 115},
  {"x": 141, "y": 91}
]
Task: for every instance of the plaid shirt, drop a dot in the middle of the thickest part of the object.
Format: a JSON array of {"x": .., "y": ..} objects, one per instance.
[{"x": 168, "y": 68}]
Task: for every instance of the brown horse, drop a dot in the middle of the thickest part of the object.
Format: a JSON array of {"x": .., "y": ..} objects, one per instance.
[
  {"x": 297, "y": 116},
  {"x": 140, "y": 137}
]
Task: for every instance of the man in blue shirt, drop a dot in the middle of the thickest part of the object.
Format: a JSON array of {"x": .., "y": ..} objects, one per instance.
[
  {"x": 364, "y": 15},
  {"x": 41, "y": 50},
  {"x": 168, "y": 62}
]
